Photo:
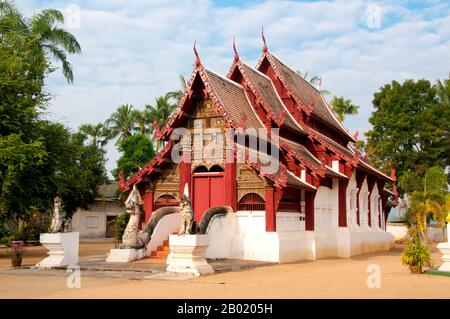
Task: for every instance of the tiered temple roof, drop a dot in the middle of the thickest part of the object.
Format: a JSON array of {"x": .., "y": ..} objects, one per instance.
[{"x": 249, "y": 97}]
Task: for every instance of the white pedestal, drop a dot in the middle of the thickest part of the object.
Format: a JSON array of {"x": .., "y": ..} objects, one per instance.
[
  {"x": 62, "y": 249},
  {"x": 125, "y": 255},
  {"x": 445, "y": 250},
  {"x": 186, "y": 255}
]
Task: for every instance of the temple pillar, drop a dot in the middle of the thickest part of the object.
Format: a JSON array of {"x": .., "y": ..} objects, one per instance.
[
  {"x": 309, "y": 210},
  {"x": 359, "y": 181},
  {"x": 185, "y": 173},
  {"x": 342, "y": 189},
  {"x": 230, "y": 180},
  {"x": 271, "y": 220},
  {"x": 370, "y": 186},
  {"x": 148, "y": 204}
]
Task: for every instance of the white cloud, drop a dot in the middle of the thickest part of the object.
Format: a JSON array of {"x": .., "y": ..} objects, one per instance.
[{"x": 134, "y": 51}]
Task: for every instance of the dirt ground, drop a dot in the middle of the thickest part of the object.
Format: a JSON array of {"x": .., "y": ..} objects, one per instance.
[{"x": 324, "y": 278}]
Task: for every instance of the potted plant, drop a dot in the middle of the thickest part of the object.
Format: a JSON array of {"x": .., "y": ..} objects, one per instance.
[
  {"x": 415, "y": 255},
  {"x": 17, "y": 249}
]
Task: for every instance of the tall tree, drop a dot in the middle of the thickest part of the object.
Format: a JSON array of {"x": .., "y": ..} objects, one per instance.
[
  {"x": 141, "y": 119},
  {"x": 443, "y": 90},
  {"x": 160, "y": 113},
  {"x": 410, "y": 128},
  {"x": 98, "y": 133},
  {"x": 121, "y": 122},
  {"x": 343, "y": 106},
  {"x": 44, "y": 30},
  {"x": 136, "y": 151},
  {"x": 429, "y": 197},
  {"x": 176, "y": 95}
]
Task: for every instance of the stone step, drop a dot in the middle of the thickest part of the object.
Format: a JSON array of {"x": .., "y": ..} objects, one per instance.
[
  {"x": 161, "y": 251},
  {"x": 163, "y": 248},
  {"x": 161, "y": 254}
]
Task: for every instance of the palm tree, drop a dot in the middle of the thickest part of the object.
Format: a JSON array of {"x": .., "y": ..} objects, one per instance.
[
  {"x": 429, "y": 198},
  {"x": 98, "y": 133},
  {"x": 141, "y": 118},
  {"x": 343, "y": 106},
  {"x": 121, "y": 122},
  {"x": 160, "y": 113},
  {"x": 443, "y": 90},
  {"x": 314, "y": 80},
  {"x": 176, "y": 95},
  {"x": 43, "y": 28}
]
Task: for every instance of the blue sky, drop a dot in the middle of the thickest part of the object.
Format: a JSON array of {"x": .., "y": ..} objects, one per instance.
[{"x": 133, "y": 51}]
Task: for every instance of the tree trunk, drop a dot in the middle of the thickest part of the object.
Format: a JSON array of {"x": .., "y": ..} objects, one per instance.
[{"x": 425, "y": 231}]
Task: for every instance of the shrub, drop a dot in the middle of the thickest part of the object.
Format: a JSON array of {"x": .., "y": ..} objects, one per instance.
[
  {"x": 119, "y": 225},
  {"x": 416, "y": 254}
]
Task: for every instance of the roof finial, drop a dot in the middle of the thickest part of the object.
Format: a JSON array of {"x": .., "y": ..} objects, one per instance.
[
  {"x": 197, "y": 58},
  {"x": 356, "y": 135},
  {"x": 236, "y": 55},
  {"x": 265, "y": 49}
]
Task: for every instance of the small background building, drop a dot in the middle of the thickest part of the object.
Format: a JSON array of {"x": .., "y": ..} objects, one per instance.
[{"x": 96, "y": 222}]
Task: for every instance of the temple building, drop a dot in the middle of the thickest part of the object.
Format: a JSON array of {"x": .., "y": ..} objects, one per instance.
[{"x": 298, "y": 188}]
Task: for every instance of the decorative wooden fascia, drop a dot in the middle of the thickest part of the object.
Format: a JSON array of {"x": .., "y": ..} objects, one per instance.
[
  {"x": 178, "y": 112},
  {"x": 137, "y": 177},
  {"x": 348, "y": 168},
  {"x": 156, "y": 130},
  {"x": 278, "y": 119},
  {"x": 394, "y": 185},
  {"x": 315, "y": 180},
  {"x": 302, "y": 159},
  {"x": 279, "y": 180},
  {"x": 277, "y": 196},
  {"x": 312, "y": 135}
]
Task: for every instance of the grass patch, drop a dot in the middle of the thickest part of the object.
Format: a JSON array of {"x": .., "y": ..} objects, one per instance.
[{"x": 436, "y": 272}]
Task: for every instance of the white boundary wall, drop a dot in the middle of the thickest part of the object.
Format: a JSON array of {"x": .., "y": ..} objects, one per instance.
[{"x": 242, "y": 235}]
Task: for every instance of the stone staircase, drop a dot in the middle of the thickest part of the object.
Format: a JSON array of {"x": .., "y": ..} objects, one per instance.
[{"x": 162, "y": 251}]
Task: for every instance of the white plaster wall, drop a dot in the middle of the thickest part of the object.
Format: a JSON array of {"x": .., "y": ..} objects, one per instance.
[
  {"x": 167, "y": 225},
  {"x": 364, "y": 242},
  {"x": 326, "y": 207},
  {"x": 290, "y": 222},
  {"x": 242, "y": 236},
  {"x": 398, "y": 230},
  {"x": 363, "y": 206},
  {"x": 351, "y": 191},
  {"x": 79, "y": 224},
  {"x": 374, "y": 213}
]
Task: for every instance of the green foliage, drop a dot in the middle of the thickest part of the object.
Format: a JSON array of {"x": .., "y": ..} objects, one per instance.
[
  {"x": 410, "y": 128},
  {"x": 19, "y": 161},
  {"x": 136, "y": 150},
  {"x": 119, "y": 225},
  {"x": 121, "y": 122},
  {"x": 38, "y": 159},
  {"x": 160, "y": 113},
  {"x": 415, "y": 253},
  {"x": 429, "y": 199},
  {"x": 176, "y": 95},
  {"x": 343, "y": 107},
  {"x": 43, "y": 31},
  {"x": 410, "y": 182},
  {"x": 98, "y": 133}
]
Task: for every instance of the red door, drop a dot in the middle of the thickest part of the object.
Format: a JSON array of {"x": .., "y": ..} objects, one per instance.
[{"x": 208, "y": 191}]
